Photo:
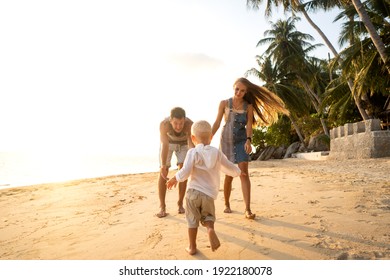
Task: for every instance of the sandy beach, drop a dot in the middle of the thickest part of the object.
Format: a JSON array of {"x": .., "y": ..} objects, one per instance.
[{"x": 306, "y": 210}]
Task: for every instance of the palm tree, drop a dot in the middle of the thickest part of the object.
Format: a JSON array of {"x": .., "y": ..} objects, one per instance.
[
  {"x": 372, "y": 31},
  {"x": 279, "y": 82},
  {"x": 361, "y": 62},
  {"x": 339, "y": 103},
  {"x": 296, "y": 6},
  {"x": 289, "y": 50}
]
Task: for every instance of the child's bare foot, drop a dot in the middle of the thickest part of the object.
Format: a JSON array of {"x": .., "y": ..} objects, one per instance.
[
  {"x": 213, "y": 238},
  {"x": 191, "y": 251}
]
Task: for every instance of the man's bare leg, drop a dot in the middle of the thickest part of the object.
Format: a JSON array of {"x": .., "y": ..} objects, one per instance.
[{"x": 162, "y": 190}]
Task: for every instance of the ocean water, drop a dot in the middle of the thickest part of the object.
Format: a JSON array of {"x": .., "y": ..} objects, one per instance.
[{"x": 26, "y": 168}]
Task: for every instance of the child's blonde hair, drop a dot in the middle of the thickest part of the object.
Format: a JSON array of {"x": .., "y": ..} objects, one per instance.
[{"x": 202, "y": 131}]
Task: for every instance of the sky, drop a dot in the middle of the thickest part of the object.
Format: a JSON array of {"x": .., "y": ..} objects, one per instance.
[{"x": 98, "y": 76}]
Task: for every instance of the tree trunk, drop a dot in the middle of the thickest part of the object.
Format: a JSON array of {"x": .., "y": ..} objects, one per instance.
[
  {"x": 362, "y": 112},
  {"x": 324, "y": 127},
  {"x": 298, "y": 131},
  {"x": 331, "y": 47},
  {"x": 323, "y": 36},
  {"x": 371, "y": 30},
  {"x": 335, "y": 53},
  {"x": 316, "y": 101}
]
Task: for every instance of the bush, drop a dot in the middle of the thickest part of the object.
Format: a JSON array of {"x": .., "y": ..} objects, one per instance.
[{"x": 278, "y": 134}]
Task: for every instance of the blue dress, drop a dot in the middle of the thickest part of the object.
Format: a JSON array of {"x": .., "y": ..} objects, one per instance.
[{"x": 233, "y": 135}]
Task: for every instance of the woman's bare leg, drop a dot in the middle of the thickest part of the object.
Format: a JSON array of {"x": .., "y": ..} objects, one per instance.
[
  {"x": 246, "y": 189},
  {"x": 227, "y": 190}
]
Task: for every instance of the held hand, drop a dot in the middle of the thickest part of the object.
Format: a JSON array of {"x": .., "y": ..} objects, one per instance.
[{"x": 171, "y": 183}]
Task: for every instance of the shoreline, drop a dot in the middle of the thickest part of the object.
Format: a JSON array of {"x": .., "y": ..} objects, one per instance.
[
  {"x": 20, "y": 169},
  {"x": 60, "y": 182},
  {"x": 305, "y": 210}
]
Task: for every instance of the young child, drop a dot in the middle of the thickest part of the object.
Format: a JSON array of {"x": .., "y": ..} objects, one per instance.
[{"x": 202, "y": 165}]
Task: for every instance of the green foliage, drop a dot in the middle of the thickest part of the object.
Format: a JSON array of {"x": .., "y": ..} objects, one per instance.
[
  {"x": 258, "y": 139},
  {"x": 324, "y": 139},
  {"x": 278, "y": 134},
  {"x": 310, "y": 125},
  {"x": 345, "y": 89}
]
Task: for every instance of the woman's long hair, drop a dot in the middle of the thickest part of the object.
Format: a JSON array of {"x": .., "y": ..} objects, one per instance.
[{"x": 266, "y": 104}]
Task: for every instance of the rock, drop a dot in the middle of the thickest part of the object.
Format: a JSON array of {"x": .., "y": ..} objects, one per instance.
[
  {"x": 343, "y": 256},
  {"x": 279, "y": 152},
  {"x": 292, "y": 149},
  {"x": 267, "y": 153},
  {"x": 319, "y": 143}
]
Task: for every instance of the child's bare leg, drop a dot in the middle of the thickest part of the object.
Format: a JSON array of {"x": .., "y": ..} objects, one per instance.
[
  {"x": 192, "y": 232},
  {"x": 182, "y": 192},
  {"x": 213, "y": 238}
]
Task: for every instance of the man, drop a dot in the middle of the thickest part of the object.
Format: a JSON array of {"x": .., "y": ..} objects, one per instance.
[{"x": 175, "y": 137}]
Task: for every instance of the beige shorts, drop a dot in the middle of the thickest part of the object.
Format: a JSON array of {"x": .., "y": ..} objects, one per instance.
[
  {"x": 200, "y": 208},
  {"x": 180, "y": 153}
]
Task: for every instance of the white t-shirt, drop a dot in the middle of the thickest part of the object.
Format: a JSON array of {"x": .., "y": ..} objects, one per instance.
[{"x": 202, "y": 166}]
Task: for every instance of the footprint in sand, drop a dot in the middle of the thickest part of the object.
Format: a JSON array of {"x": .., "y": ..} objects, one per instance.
[
  {"x": 252, "y": 237},
  {"x": 313, "y": 202},
  {"x": 153, "y": 239}
]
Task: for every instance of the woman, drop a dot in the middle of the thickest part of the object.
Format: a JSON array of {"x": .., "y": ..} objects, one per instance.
[{"x": 250, "y": 105}]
